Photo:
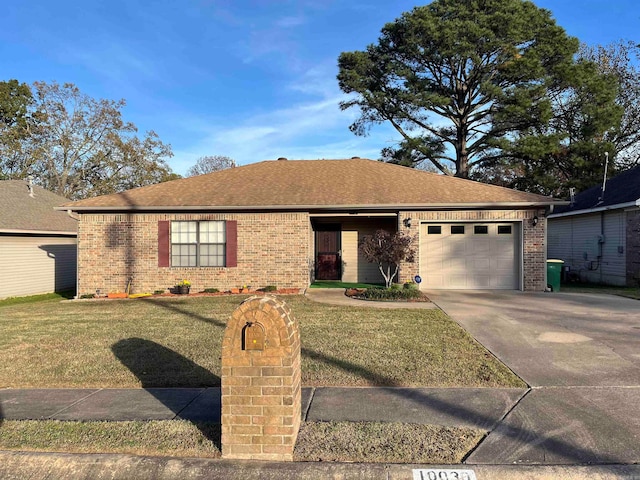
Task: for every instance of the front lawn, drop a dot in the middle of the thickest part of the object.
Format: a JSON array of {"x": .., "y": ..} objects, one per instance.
[{"x": 175, "y": 342}]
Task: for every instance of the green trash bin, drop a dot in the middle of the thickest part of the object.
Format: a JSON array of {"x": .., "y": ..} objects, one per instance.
[{"x": 554, "y": 272}]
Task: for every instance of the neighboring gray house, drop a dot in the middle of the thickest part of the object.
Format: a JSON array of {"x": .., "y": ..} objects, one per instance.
[
  {"x": 38, "y": 245},
  {"x": 598, "y": 235}
]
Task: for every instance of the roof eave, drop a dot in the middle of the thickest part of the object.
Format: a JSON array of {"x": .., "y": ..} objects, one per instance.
[
  {"x": 20, "y": 231},
  {"x": 423, "y": 206},
  {"x": 603, "y": 208}
]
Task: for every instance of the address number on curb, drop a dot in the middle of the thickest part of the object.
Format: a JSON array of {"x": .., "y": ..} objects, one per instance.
[{"x": 443, "y": 474}]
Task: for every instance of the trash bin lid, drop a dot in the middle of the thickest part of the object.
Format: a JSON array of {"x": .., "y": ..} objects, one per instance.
[{"x": 554, "y": 260}]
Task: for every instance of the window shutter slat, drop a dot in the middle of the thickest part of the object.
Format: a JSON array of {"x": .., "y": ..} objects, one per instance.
[
  {"x": 232, "y": 243},
  {"x": 163, "y": 243}
]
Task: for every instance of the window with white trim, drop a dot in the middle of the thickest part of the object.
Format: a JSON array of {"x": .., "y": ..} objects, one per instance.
[{"x": 198, "y": 244}]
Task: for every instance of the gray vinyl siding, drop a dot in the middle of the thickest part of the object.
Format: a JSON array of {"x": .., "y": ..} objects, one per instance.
[
  {"x": 37, "y": 264},
  {"x": 575, "y": 240}
]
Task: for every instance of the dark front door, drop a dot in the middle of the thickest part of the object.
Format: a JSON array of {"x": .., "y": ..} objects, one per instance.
[{"x": 328, "y": 255}]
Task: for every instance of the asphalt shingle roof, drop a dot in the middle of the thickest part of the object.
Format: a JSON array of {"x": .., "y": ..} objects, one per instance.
[
  {"x": 312, "y": 183},
  {"x": 20, "y": 211},
  {"x": 623, "y": 188}
]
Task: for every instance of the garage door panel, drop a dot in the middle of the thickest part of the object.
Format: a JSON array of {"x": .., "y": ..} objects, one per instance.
[{"x": 470, "y": 260}]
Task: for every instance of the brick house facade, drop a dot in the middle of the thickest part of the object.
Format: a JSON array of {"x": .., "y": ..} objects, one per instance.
[
  {"x": 272, "y": 249},
  {"x": 283, "y": 220}
]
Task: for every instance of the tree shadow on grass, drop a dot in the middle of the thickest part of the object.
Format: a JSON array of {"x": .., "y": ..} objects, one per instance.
[{"x": 158, "y": 368}]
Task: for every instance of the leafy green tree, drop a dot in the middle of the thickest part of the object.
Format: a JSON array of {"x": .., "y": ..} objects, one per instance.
[
  {"x": 569, "y": 150},
  {"x": 80, "y": 146},
  {"x": 16, "y": 121},
  {"x": 463, "y": 74},
  {"x": 620, "y": 60},
  {"x": 15, "y": 100}
]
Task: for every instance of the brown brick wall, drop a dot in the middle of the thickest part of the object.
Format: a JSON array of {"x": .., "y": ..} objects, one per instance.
[
  {"x": 273, "y": 249},
  {"x": 534, "y": 239}
]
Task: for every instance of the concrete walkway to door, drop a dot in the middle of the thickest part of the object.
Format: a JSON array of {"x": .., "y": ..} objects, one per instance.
[{"x": 581, "y": 355}]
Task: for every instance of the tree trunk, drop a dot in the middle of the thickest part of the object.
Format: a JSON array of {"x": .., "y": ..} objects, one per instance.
[{"x": 462, "y": 155}]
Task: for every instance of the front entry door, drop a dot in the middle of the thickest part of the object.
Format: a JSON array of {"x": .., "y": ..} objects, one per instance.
[{"x": 328, "y": 255}]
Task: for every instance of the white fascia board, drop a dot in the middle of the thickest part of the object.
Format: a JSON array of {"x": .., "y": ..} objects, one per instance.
[{"x": 596, "y": 209}]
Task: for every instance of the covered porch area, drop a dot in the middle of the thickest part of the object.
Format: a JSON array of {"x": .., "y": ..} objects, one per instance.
[{"x": 335, "y": 240}]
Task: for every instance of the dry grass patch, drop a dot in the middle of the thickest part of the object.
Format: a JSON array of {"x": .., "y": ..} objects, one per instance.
[
  {"x": 384, "y": 442},
  {"x": 333, "y": 441},
  {"x": 162, "y": 438},
  {"x": 173, "y": 342}
]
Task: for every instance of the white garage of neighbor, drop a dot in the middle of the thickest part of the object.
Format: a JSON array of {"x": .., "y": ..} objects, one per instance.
[{"x": 466, "y": 255}]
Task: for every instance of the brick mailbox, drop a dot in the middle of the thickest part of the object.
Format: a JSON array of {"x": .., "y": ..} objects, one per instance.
[{"x": 261, "y": 383}]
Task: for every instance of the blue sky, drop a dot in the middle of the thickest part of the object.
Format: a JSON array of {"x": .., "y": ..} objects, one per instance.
[{"x": 252, "y": 80}]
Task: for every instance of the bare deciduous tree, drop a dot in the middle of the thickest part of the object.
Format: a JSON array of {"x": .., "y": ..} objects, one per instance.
[
  {"x": 210, "y": 163},
  {"x": 80, "y": 147}
]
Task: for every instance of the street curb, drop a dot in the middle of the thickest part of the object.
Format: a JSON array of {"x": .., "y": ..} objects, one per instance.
[{"x": 20, "y": 465}]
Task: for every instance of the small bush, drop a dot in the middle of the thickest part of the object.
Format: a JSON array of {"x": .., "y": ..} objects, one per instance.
[
  {"x": 211, "y": 290},
  {"x": 395, "y": 286},
  {"x": 270, "y": 288},
  {"x": 410, "y": 286},
  {"x": 158, "y": 292},
  {"x": 391, "y": 293},
  {"x": 88, "y": 295}
]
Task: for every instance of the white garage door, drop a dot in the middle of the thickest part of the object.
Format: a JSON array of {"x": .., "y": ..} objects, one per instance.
[{"x": 469, "y": 256}]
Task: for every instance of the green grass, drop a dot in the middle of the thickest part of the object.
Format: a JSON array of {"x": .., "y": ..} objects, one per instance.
[
  {"x": 69, "y": 294},
  {"x": 630, "y": 292},
  {"x": 331, "y": 441},
  {"x": 338, "y": 284},
  {"x": 175, "y": 342}
]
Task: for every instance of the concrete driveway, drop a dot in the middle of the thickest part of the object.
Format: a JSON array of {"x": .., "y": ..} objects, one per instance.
[
  {"x": 554, "y": 339},
  {"x": 580, "y": 353}
]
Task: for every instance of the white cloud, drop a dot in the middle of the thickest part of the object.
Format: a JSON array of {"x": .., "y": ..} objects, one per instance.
[
  {"x": 291, "y": 21},
  {"x": 112, "y": 61},
  {"x": 306, "y": 130}
]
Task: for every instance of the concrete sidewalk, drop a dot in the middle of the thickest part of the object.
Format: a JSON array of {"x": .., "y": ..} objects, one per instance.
[{"x": 481, "y": 408}]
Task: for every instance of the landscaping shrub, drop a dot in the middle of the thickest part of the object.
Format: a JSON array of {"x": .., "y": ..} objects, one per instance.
[
  {"x": 211, "y": 290},
  {"x": 158, "y": 292},
  {"x": 270, "y": 288},
  {"x": 391, "y": 293}
]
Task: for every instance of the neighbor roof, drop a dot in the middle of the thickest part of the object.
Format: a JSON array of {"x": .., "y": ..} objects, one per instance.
[
  {"x": 22, "y": 213},
  {"x": 312, "y": 184},
  {"x": 622, "y": 190}
]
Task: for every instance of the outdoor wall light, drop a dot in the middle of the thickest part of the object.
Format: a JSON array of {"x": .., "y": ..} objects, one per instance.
[
  {"x": 407, "y": 222},
  {"x": 534, "y": 221}
]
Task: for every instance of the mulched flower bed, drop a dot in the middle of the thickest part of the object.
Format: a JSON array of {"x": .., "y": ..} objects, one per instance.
[
  {"x": 281, "y": 291},
  {"x": 357, "y": 293}
]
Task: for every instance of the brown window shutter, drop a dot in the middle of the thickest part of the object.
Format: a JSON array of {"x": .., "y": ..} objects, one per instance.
[
  {"x": 163, "y": 243},
  {"x": 232, "y": 243}
]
